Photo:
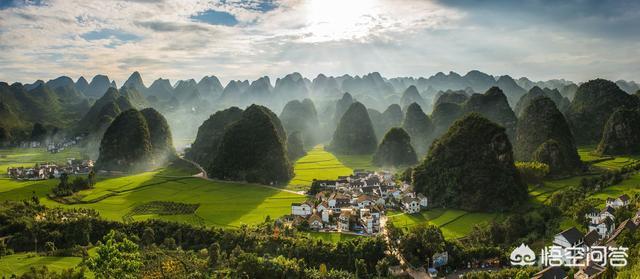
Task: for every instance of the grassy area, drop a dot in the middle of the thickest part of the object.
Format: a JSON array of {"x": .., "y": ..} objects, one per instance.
[
  {"x": 629, "y": 186},
  {"x": 21, "y": 262},
  {"x": 317, "y": 164},
  {"x": 15, "y": 157},
  {"x": 587, "y": 154},
  {"x": 453, "y": 223},
  {"x": 333, "y": 237},
  {"x": 220, "y": 203},
  {"x": 542, "y": 193}
]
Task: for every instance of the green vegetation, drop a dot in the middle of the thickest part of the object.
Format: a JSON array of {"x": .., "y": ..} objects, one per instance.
[
  {"x": 332, "y": 237},
  {"x": 453, "y": 223},
  {"x": 621, "y": 133},
  {"x": 354, "y": 135},
  {"x": 543, "y": 135},
  {"x": 320, "y": 164},
  {"x": 395, "y": 150},
  {"x": 20, "y": 263},
  {"x": 221, "y": 204},
  {"x": 590, "y": 109},
  {"x": 471, "y": 168},
  {"x": 301, "y": 117},
  {"x": 126, "y": 145},
  {"x": 205, "y": 148},
  {"x": 418, "y": 125},
  {"x": 253, "y": 149},
  {"x": 494, "y": 106},
  {"x": 295, "y": 146}
]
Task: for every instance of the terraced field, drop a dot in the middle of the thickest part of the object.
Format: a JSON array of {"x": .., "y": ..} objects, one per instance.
[{"x": 453, "y": 223}]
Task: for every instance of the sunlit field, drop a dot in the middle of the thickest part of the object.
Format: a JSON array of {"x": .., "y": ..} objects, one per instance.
[
  {"x": 16, "y": 157},
  {"x": 453, "y": 223},
  {"x": 320, "y": 164},
  {"x": 21, "y": 262}
]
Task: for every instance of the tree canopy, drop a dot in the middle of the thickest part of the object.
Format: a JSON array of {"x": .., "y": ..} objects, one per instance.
[{"x": 354, "y": 134}]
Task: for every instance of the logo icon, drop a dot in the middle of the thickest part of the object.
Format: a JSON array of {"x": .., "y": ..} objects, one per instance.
[{"x": 522, "y": 256}]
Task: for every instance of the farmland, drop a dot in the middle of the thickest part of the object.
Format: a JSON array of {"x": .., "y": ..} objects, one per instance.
[
  {"x": 320, "y": 164},
  {"x": 453, "y": 223},
  {"x": 21, "y": 262}
]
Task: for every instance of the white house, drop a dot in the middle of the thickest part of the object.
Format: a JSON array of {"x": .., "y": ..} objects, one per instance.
[
  {"x": 607, "y": 212},
  {"x": 365, "y": 201},
  {"x": 422, "y": 200},
  {"x": 301, "y": 209},
  {"x": 620, "y": 201},
  {"x": 367, "y": 223},
  {"x": 568, "y": 238},
  {"x": 322, "y": 206},
  {"x": 326, "y": 214},
  {"x": 410, "y": 205},
  {"x": 604, "y": 227}
]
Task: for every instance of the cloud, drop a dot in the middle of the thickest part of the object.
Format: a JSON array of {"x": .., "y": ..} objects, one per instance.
[{"x": 246, "y": 39}]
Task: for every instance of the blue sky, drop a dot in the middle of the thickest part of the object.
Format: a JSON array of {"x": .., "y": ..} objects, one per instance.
[{"x": 246, "y": 39}]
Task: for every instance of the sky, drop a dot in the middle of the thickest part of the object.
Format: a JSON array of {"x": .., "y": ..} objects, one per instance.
[{"x": 246, "y": 39}]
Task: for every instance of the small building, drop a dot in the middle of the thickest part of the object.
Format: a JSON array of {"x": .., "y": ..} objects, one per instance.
[
  {"x": 410, "y": 205},
  {"x": 422, "y": 200},
  {"x": 301, "y": 209},
  {"x": 315, "y": 222},
  {"x": 604, "y": 227},
  {"x": 592, "y": 238},
  {"x": 552, "y": 272},
  {"x": 343, "y": 220},
  {"x": 589, "y": 272},
  {"x": 365, "y": 201},
  {"x": 621, "y": 201},
  {"x": 569, "y": 238}
]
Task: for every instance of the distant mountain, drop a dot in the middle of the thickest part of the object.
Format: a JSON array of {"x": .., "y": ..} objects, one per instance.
[
  {"x": 494, "y": 106},
  {"x": 450, "y": 96},
  {"x": 302, "y": 117},
  {"x": 233, "y": 91},
  {"x": 510, "y": 89},
  {"x": 135, "y": 82},
  {"x": 62, "y": 81},
  {"x": 97, "y": 117},
  {"x": 562, "y": 103},
  {"x": 410, "y": 96},
  {"x": 259, "y": 92},
  {"x": 372, "y": 84},
  {"x": 325, "y": 87},
  {"x": 82, "y": 85},
  {"x": 186, "y": 91},
  {"x": 98, "y": 86},
  {"x": 210, "y": 87},
  {"x": 630, "y": 87},
  {"x": 479, "y": 81},
  {"x": 419, "y": 126},
  {"x": 161, "y": 89},
  {"x": 291, "y": 86}
]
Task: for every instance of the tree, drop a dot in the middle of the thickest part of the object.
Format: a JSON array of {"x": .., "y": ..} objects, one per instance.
[
  {"x": 421, "y": 242},
  {"x": 361, "y": 269},
  {"x": 115, "y": 258},
  {"x": 148, "y": 236},
  {"x": 532, "y": 172},
  {"x": 214, "y": 254}
]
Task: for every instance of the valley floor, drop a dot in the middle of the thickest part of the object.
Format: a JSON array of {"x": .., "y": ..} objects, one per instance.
[{"x": 227, "y": 204}]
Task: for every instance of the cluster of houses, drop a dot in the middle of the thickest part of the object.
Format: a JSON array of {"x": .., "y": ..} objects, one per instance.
[
  {"x": 602, "y": 231},
  {"x": 356, "y": 203},
  {"x": 54, "y": 147},
  {"x": 50, "y": 170},
  {"x": 51, "y": 145}
]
